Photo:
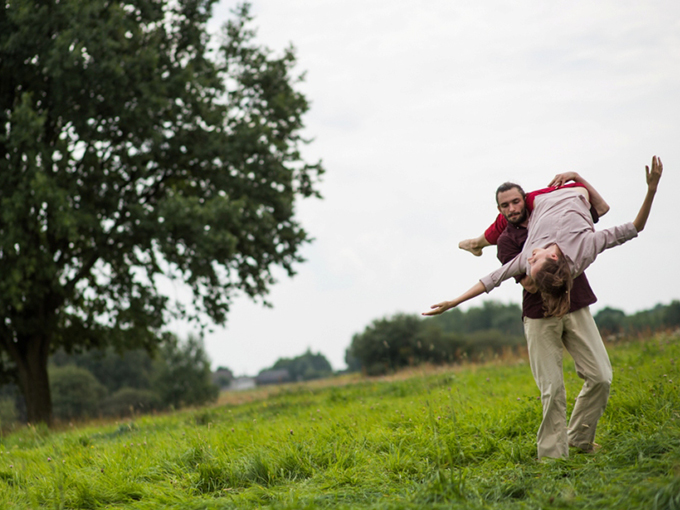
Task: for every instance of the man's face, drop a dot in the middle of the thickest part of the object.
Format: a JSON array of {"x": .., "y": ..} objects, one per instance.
[{"x": 511, "y": 205}]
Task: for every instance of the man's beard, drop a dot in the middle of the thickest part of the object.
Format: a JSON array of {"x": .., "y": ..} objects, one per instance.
[{"x": 518, "y": 220}]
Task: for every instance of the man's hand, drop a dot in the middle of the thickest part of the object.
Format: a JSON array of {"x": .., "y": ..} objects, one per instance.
[
  {"x": 529, "y": 284},
  {"x": 654, "y": 175},
  {"x": 439, "y": 308},
  {"x": 562, "y": 179}
]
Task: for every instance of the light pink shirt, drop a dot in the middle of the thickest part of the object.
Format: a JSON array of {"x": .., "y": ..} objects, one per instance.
[{"x": 563, "y": 218}]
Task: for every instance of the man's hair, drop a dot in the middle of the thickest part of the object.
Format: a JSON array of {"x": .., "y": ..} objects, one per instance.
[
  {"x": 507, "y": 186},
  {"x": 554, "y": 281}
]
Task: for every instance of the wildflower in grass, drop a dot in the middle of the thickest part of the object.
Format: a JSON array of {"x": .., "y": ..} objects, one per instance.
[{"x": 49, "y": 459}]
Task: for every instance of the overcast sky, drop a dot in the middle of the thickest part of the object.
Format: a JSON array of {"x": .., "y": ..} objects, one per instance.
[{"x": 419, "y": 110}]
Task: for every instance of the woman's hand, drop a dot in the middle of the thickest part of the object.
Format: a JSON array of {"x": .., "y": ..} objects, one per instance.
[
  {"x": 440, "y": 308},
  {"x": 562, "y": 179},
  {"x": 654, "y": 176}
]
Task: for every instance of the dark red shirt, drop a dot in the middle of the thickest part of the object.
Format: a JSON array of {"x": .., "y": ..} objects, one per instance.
[{"x": 510, "y": 244}]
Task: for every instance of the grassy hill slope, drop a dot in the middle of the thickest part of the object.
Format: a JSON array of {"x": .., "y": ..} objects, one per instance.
[{"x": 457, "y": 438}]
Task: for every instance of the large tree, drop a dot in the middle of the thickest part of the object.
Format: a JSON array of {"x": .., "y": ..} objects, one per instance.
[{"x": 131, "y": 149}]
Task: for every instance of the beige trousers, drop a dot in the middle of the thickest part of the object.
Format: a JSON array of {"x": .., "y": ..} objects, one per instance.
[{"x": 547, "y": 339}]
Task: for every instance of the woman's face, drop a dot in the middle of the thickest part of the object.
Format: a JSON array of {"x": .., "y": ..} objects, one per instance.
[{"x": 539, "y": 256}]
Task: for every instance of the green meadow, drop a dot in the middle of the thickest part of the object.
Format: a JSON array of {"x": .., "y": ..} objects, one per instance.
[{"x": 460, "y": 437}]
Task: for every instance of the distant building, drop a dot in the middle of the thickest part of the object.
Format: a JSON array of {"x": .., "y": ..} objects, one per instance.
[
  {"x": 242, "y": 383},
  {"x": 273, "y": 377}
]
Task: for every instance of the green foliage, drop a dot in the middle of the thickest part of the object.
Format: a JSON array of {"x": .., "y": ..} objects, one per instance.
[
  {"x": 129, "y": 401},
  {"x": 8, "y": 412},
  {"x": 404, "y": 340},
  {"x": 491, "y": 315},
  {"x": 305, "y": 367},
  {"x": 223, "y": 377},
  {"x": 76, "y": 393},
  {"x": 610, "y": 321},
  {"x": 455, "y": 439},
  {"x": 114, "y": 370},
  {"x": 129, "y": 151},
  {"x": 661, "y": 317},
  {"x": 386, "y": 344},
  {"x": 182, "y": 373},
  {"x": 134, "y": 382}
]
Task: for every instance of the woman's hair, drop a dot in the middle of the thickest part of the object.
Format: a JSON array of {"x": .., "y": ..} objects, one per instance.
[{"x": 554, "y": 281}]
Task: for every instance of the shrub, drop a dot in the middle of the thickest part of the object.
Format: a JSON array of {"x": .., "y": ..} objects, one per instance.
[
  {"x": 8, "y": 412},
  {"x": 305, "y": 367},
  {"x": 127, "y": 401},
  {"x": 76, "y": 393},
  {"x": 182, "y": 374},
  {"x": 399, "y": 341}
]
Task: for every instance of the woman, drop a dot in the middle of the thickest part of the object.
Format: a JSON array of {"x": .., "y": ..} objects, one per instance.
[{"x": 561, "y": 244}]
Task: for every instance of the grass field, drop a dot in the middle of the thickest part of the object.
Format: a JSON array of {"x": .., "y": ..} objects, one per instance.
[{"x": 456, "y": 438}]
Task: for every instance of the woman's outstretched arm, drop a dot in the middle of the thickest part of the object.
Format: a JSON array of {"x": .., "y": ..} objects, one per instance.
[
  {"x": 440, "y": 308},
  {"x": 653, "y": 178}
]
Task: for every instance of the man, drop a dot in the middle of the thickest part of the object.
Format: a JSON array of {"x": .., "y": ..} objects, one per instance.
[{"x": 547, "y": 336}]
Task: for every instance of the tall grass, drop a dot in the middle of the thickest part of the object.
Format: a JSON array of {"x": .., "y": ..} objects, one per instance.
[{"x": 462, "y": 438}]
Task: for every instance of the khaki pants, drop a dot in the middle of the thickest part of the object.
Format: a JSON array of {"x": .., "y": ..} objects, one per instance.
[{"x": 546, "y": 339}]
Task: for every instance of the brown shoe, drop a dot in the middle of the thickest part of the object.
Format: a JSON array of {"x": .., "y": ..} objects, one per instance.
[{"x": 591, "y": 448}]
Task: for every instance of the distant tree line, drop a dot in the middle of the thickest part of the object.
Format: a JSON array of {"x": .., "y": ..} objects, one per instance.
[
  {"x": 402, "y": 340},
  {"x": 613, "y": 322},
  {"x": 305, "y": 367},
  {"x": 105, "y": 383}
]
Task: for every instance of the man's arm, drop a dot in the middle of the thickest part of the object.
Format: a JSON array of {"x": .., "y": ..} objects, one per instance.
[
  {"x": 596, "y": 200},
  {"x": 653, "y": 178}
]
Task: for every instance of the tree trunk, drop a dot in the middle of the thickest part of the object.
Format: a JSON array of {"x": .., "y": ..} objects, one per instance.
[{"x": 30, "y": 356}]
